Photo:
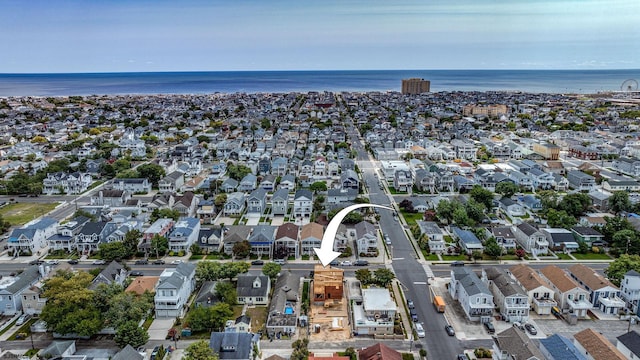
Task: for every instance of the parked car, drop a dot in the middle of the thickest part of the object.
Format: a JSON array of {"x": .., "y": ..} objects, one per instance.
[
  {"x": 531, "y": 329},
  {"x": 22, "y": 319},
  {"x": 176, "y": 262},
  {"x": 346, "y": 263},
  {"x": 36, "y": 262},
  {"x": 280, "y": 261},
  {"x": 154, "y": 353},
  {"x": 449, "y": 330},
  {"x": 489, "y": 327},
  {"x": 334, "y": 263},
  {"x": 518, "y": 325},
  {"x": 361, "y": 263},
  {"x": 99, "y": 262},
  {"x": 410, "y": 304},
  {"x": 419, "y": 330},
  {"x": 457, "y": 263},
  {"x": 135, "y": 273},
  {"x": 462, "y": 357},
  {"x": 158, "y": 262},
  {"x": 142, "y": 262},
  {"x": 52, "y": 262},
  {"x": 414, "y": 315},
  {"x": 257, "y": 262},
  {"x": 72, "y": 262}
]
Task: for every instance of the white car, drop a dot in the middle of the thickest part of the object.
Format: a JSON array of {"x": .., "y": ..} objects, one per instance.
[
  {"x": 176, "y": 262},
  {"x": 52, "y": 262},
  {"x": 99, "y": 262},
  {"x": 419, "y": 330},
  {"x": 346, "y": 263},
  {"x": 22, "y": 319}
]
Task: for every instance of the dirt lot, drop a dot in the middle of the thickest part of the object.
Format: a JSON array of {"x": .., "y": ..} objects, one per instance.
[
  {"x": 327, "y": 318},
  {"x": 21, "y": 213}
]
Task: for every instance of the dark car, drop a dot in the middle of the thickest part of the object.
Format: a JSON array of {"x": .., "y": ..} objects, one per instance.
[
  {"x": 135, "y": 273},
  {"x": 73, "y": 262},
  {"x": 490, "y": 328},
  {"x": 361, "y": 263},
  {"x": 410, "y": 304},
  {"x": 462, "y": 357},
  {"x": 257, "y": 262},
  {"x": 142, "y": 262},
  {"x": 449, "y": 330},
  {"x": 457, "y": 263},
  {"x": 334, "y": 263},
  {"x": 158, "y": 262},
  {"x": 154, "y": 353},
  {"x": 531, "y": 329},
  {"x": 414, "y": 315},
  {"x": 36, "y": 262}
]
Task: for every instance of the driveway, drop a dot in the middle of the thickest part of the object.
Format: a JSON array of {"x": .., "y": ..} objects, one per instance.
[{"x": 159, "y": 328}]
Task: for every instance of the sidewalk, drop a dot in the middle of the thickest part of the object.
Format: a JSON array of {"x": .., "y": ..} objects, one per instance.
[{"x": 404, "y": 316}]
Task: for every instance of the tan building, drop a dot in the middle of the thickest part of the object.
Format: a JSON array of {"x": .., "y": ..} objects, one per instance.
[
  {"x": 493, "y": 110},
  {"x": 415, "y": 86},
  {"x": 327, "y": 285},
  {"x": 547, "y": 150},
  {"x": 32, "y": 303}
]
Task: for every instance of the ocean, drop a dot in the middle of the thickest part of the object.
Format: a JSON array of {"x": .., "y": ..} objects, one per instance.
[{"x": 534, "y": 81}]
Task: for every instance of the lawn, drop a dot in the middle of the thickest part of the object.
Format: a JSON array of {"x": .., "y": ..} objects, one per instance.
[
  {"x": 257, "y": 314},
  {"x": 411, "y": 218},
  {"x": 429, "y": 257},
  {"x": 563, "y": 256},
  {"x": 21, "y": 213},
  {"x": 454, "y": 257},
  {"x": 591, "y": 256}
]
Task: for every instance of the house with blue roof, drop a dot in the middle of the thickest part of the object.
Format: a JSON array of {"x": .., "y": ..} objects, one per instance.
[
  {"x": 261, "y": 239},
  {"x": 467, "y": 240},
  {"x": 32, "y": 237},
  {"x": 185, "y": 233},
  {"x": 558, "y": 347}
]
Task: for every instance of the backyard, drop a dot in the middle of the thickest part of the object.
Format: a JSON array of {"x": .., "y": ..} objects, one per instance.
[{"x": 21, "y": 213}]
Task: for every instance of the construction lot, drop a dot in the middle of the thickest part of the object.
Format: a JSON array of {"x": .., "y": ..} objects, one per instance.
[{"x": 329, "y": 313}]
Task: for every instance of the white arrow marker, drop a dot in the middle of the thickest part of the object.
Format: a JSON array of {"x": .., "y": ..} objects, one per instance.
[{"x": 325, "y": 252}]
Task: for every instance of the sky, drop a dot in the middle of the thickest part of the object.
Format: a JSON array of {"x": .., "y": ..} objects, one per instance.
[{"x": 44, "y": 36}]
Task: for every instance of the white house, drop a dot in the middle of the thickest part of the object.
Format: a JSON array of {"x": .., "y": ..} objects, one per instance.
[
  {"x": 603, "y": 294},
  {"x": 570, "y": 296},
  {"x": 302, "y": 204},
  {"x": 185, "y": 233},
  {"x": 253, "y": 289},
  {"x": 366, "y": 239},
  {"x": 531, "y": 239},
  {"x": 33, "y": 236},
  {"x": 435, "y": 235},
  {"x": 173, "y": 290},
  {"x": 630, "y": 290},
  {"x": 539, "y": 293},
  {"x": 509, "y": 296},
  {"x": 474, "y": 296}
]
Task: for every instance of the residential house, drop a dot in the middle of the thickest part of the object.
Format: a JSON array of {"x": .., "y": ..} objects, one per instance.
[
  {"x": 234, "y": 345},
  {"x": 261, "y": 240},
  {"x": 229, "y": 185},
  {"x": 235, "y": 234},
  {"x": 467, "y": 240},
  {"x": 32, "y": 237},
  {"x": 511, "y": 207},
  {"x": 92, "y": 234},
  {"x": 379, "y": 351},
  {"x": 504, "y": 236},
  {"x": 588, "y": 235},
  {"x": 14, "y": 286},
  {"x": 603, "y": 294},
  {"x": 510, "y": 298},
  {"x": 366, "y": 239},
  {"x": 531, "y": 203},
  {"x": 600, "y": 199},
  {"x": 581, "y": 181},
  {"x": 531, "y": 239},
  {"x": 302, "y": 204},
  {"x": 253, "y": 289},
  {"x": 630, "y": 290},
  {"x": 128, "y": 353},
  {"x": 268, "y": 183},
  {"x": 257, "y": 202},
  {"x": 472, "y": 294},
  {"x": 402, "y": 180},
  {"x": 310, "y": 238},
  {"x": 114, "y": 273},
  {"x": 627, "y": 165},
  {"x": 174, "y": 289},
  {"x": 207, "y": 296},
  {"x": 629, "y": 344},
  {"x": 282, "y": 318},
  {"x": 280, "y": 202},
  {"x": 337, "y": 196},
  {"x": 133, "y": 186},
  {"x": 570, "y": 296},
  {"x": 235, "y": 204},
  {"x": 595, "y": 346},
  {"x": 558, "y": 347},
  {"x": 206, "y": 211},
  {"x": 539, "y": 293},
  {"x": 375, "y": 314},
  {"x": 211, "y": 239},
  {"x": 349, "y": 180},
  {"x": 287, "y": 182},
  {"x": 186, "y": 204},
  {"x": 241, "y": 324},
  {"x": 328, "y": 285},
  {"x": 434, "y": 235},
  {"x": 541, "y": 180},
  {"x": 32, "y": 300},
  {"x": 621, "y": 185},
  {"x": 184, "y": 234},
  {"x": 161, "y": 227},
  {"x": 560, "y": 239},
  {"x": 248, "y": 183},
  {"x": 66, "y": 183},
  {"x": 514, "y": 343},
  {"x": 286, "y": 241},
  {"x": 113, "y": 198},
  {"x": 172, "y": 182}
]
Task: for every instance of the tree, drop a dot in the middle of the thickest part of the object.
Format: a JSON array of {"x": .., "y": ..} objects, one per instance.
[
  {"x": 476, "y": 255},
  {"x": 220, "y": 200},
  {"x": 238, "y": 172},
  {"x": 619, "y": 202},
  {"x": 113, "y": 251},
  {"x": 318, "y": 186},
  {"x": 211, "y": 318},
  {"x": 132, "y": 334},
  {"x": 560, "y": 219},
  {"x": 81, "y": 212},
  {"x": 616, "y": 270},
  {"x": 226, "y": 292},
  {"x": 121, "y": 165},
  {"x": 364, "y": 276},
  {"x": 461, "y": 218},
  {"x": 241, "y": 249},
  {"x": 164, "y": 213},
  {"x": 575, "y": 204},
  {"x": 492, "y": 248},
  {"x": 613, "y": 225},
  {"x": 199, "y": 350},
  {"x": 272, "y": 270},
  {"x": 583, "y": 247},
  {"x": 482, "y": 195},
  {"x": 383, "y": 276},
  {"x": 152, "y": 172},
  {"x": 474, "y": 210},
  {"x": 507, "y": 188},
  {"x": 520, "y": 253},
  {"x": 159, "y": 245},
  {"x": 626, "y": 241},
  {"x": 126, "y": 306}
]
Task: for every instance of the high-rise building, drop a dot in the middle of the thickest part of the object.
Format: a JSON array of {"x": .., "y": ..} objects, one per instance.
[{"x": 415, "y": 86}]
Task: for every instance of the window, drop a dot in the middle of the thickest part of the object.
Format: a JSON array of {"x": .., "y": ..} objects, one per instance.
[{"x": 535, "y": 295}]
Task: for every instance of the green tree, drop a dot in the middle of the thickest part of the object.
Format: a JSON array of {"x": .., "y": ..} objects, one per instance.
[
  {"x": 226, "y": 292},
  {"x": 318, "y": 186},
  {"x": 616, "y": 270},
  {"x": 492, "y": 248},
  {"x": 364, "y": 276},
  {"x": 220, "y": 200},
  {"x": 583, "y": 247},
  {"x": 131, "y": 241},
  {"x": 164, "y": 213},
  {"x": 383, "y": 276},
  {"x": 619, "y": 202},
  {"x": 560, "y": 219},
  {"x": 113, "y": 251},
  {"x": 482, "y": 195},
  {"x": 613, "y": 225},
  {"x": 199, "y": 350},
  {"x": 238, "y": 172},
  {"x": 575, "y": 204},
  {"x": 231, "y": 270},
  {"x": 159, "y": 245},
  {"x": 209, "y": 318},
  {"x": 626, "y": 241},
  {"x": 81, "y": 212},
  {"x": 127, "y": 306},
  {"x": 241, "y": 249},
  {"x": 475, "y": 210},
  {"x": 121, "y": 165},
  {"x": 461, "y": 218},
  {"x": 152, "y": 172},
  {"x": 507, "y": 188},
  {"x": 130, "y": 333},
  {"x": 272, "y": 270}
]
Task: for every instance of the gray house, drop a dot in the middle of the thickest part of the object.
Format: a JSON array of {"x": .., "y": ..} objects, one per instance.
[
  {"x": 10, "y": 296},
  {"x": 257, "y": 201},
  {"x": 280, "y": 202},
  {"x": 234, "y": 345}
]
